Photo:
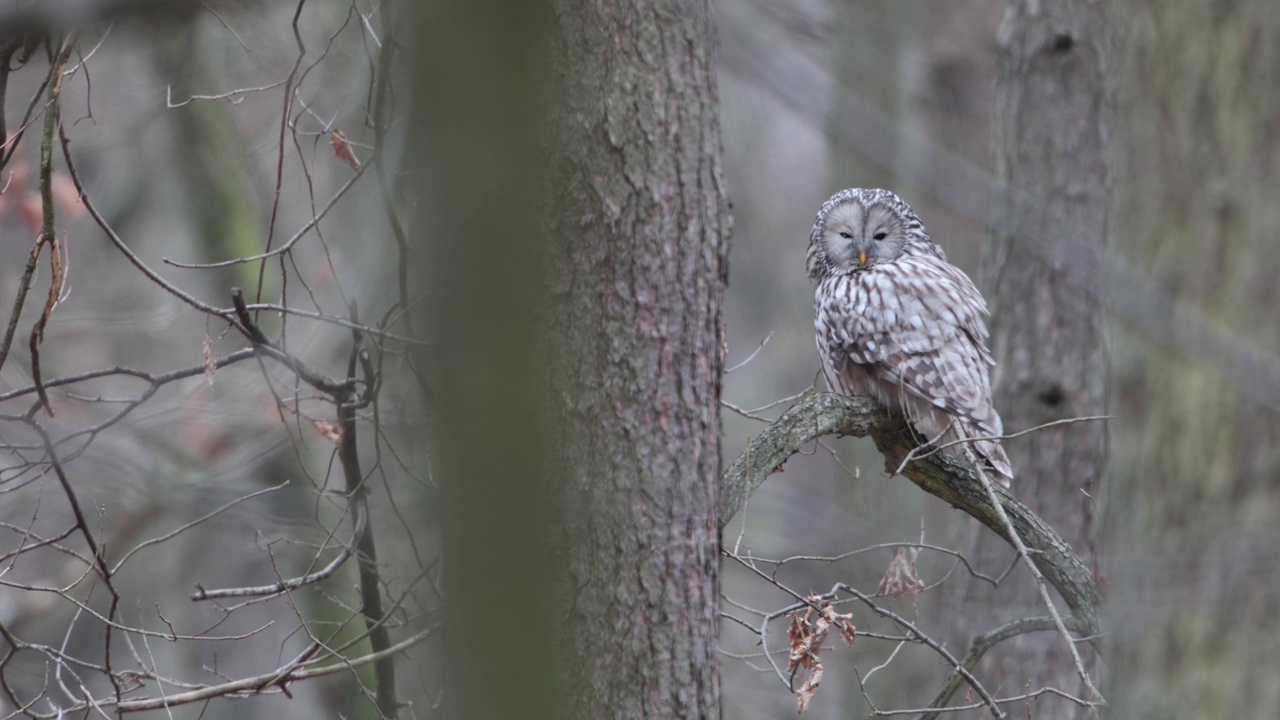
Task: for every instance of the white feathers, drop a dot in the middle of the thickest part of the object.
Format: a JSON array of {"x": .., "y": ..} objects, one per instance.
[{"x": 907, "y": 327}]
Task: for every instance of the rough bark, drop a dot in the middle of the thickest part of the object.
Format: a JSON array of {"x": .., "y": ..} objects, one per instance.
[
  {"x": 638, "y": 274},
  {"x": 1052, "y": 109},
  {"x": 1194, "y": 509},
  {"x": 578, "y": 379}
]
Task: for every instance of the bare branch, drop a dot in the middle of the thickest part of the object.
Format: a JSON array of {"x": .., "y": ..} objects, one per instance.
[
  {"x": 981, "y": 645},
  {"x": 915, "y": 634},
  {"x": 1013, "y": 536},
  {"x": 950, "y": 479},
  {"x": 753, "y": 354}
]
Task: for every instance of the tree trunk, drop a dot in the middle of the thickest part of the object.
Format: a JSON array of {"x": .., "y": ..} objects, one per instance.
[
  {"x": 638, "y": 275},
  {"x": 1194, "y": 514},
  {"x": 479, "y": 233},
  {"x": 596, "y": 404},
  {"x": 1052, "y": 108},
  {"x": 624, "y": 356}
]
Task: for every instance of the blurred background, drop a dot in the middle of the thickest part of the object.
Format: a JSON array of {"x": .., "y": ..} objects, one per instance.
[
  {"x": 174, "y": 120},
  {"x": 1140, "y": 284},
  {"x": 1144, "y": 137}
]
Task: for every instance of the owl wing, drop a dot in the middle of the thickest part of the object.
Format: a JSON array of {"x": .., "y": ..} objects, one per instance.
[{"x": 917, "y": 323}]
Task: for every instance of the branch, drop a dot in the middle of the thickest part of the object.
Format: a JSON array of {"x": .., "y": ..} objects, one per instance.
[
  {"x": 367, "y": 554},
  {"x": 311, "y": 377},
  {"x": 48, "y": 233},
  {"x": 1024, "y": 554},
  {"x": 981, "y": 645},
  {"x": 948, "y": 478},
  {"x": 268, "y": 682}
]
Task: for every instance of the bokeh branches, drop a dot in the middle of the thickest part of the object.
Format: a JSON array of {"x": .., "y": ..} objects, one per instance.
[
  {"x": 957, "y": 482},
  {"x": 273, "y": 470}
]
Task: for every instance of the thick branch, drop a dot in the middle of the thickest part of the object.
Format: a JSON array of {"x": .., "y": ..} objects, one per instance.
[{"x": 943, "y": 476}]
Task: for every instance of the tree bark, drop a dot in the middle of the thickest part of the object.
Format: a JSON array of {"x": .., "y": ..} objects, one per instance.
[
  {"x": 579, "y": 378},
  {"x": 638, "y": 273},
  {"x": 1052, "y": 110}
]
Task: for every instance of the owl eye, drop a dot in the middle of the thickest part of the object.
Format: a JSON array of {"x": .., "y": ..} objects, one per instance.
[
  {"x": 880, "y": 235},
  {"x": 846, "y": 235}
]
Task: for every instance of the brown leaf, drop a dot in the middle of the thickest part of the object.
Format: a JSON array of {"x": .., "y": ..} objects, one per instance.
[
  {"x": 901, "y": 578},
  {"x": 842, "y": 621},
  {"x": 211, "y": 358},
  {"x": 807, "y": 631},
  {"x": 806, "y": 692},
  {"x": 342, "y": 148},
  {"x": 804, "y": 635},
  {"x": 331, "y": 432},
  {"x": 56, "y": 283}
]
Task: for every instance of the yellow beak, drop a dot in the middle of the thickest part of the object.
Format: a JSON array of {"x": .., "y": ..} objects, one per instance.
[{"x": 862, "y": 258}]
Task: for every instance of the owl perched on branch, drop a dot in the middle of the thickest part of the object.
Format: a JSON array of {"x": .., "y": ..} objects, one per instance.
[{"x": 895, "y": 321}]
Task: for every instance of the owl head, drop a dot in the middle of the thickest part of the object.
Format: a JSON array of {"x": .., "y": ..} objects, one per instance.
[{"x": 858, "y": 229}]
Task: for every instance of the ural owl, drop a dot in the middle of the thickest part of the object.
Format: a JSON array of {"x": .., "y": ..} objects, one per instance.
[{"x": 895, "y": 321}]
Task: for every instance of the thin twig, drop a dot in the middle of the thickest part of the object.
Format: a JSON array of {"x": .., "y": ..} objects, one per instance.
[
  {"x": 882, "y": 546},
  {"x": 1043, "y": 587},
  {"x": 932, "y": 448},
  {"x": 875, "y": 608},
  {"x": 753, "y": 354},
  {"x": 283, "y": 586}
]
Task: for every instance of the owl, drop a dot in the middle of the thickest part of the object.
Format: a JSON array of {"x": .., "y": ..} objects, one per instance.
[{"x": 895, "y": 321}]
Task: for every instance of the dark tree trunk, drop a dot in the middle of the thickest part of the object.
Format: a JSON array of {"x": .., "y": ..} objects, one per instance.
[
  {"x": 578, "y": 379},
  {"x": 638, "y": 275},
  {"x": 480, "y": 232},
  {"x": 1052, "y": 108}
]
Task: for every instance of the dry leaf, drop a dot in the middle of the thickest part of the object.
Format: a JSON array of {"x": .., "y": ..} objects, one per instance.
[
  {"x": 211, "y": 358},
  {"x": 843, "y": 622},
  {"x": 342, "y": 148},
  {"x": 331, "y": 432},
  {"x": 901, "y": 578},
  {"x": 56, "y": 283},
  {"x": 810, "y": 688},
  {"x": 807, "y": 632}
]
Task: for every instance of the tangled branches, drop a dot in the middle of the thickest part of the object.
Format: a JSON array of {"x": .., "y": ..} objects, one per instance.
[{"x": 954, "y": 481}]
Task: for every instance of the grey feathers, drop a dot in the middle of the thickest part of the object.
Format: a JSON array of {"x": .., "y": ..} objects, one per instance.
[{"x": 897, "y": 322}]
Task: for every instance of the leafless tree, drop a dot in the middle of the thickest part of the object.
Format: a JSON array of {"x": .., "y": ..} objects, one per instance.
[
  {"x": 194, "y": 507},
  {"x": 453, "y": 448}
]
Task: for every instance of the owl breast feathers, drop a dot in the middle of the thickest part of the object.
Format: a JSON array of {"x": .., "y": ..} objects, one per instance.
[{"x": 895, "y": 321}]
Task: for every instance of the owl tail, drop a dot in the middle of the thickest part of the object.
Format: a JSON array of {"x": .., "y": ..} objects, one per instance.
[{"x": 996, "y": 460}]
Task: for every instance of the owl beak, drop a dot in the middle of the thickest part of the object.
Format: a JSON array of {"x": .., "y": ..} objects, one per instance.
[{"x": 862, "y": 258}]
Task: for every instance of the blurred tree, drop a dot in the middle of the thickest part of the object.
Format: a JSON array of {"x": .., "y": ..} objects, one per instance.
[
  {"x": 628, "y": 372},
  {"x": 478, "y": 82},
  {"x": 1194, "y": 512},
  {"x": 1052, "y": 111}
]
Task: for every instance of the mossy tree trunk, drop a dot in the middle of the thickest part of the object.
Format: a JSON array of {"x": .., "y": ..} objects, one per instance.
[{"x": 1195, "y": 507}]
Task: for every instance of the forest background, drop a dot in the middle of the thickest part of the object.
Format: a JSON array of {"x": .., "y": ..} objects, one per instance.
[{"x": 225, "y": 506}]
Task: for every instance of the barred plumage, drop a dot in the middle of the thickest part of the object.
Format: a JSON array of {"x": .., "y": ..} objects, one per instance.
[{"x": 897, "y": 322}]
